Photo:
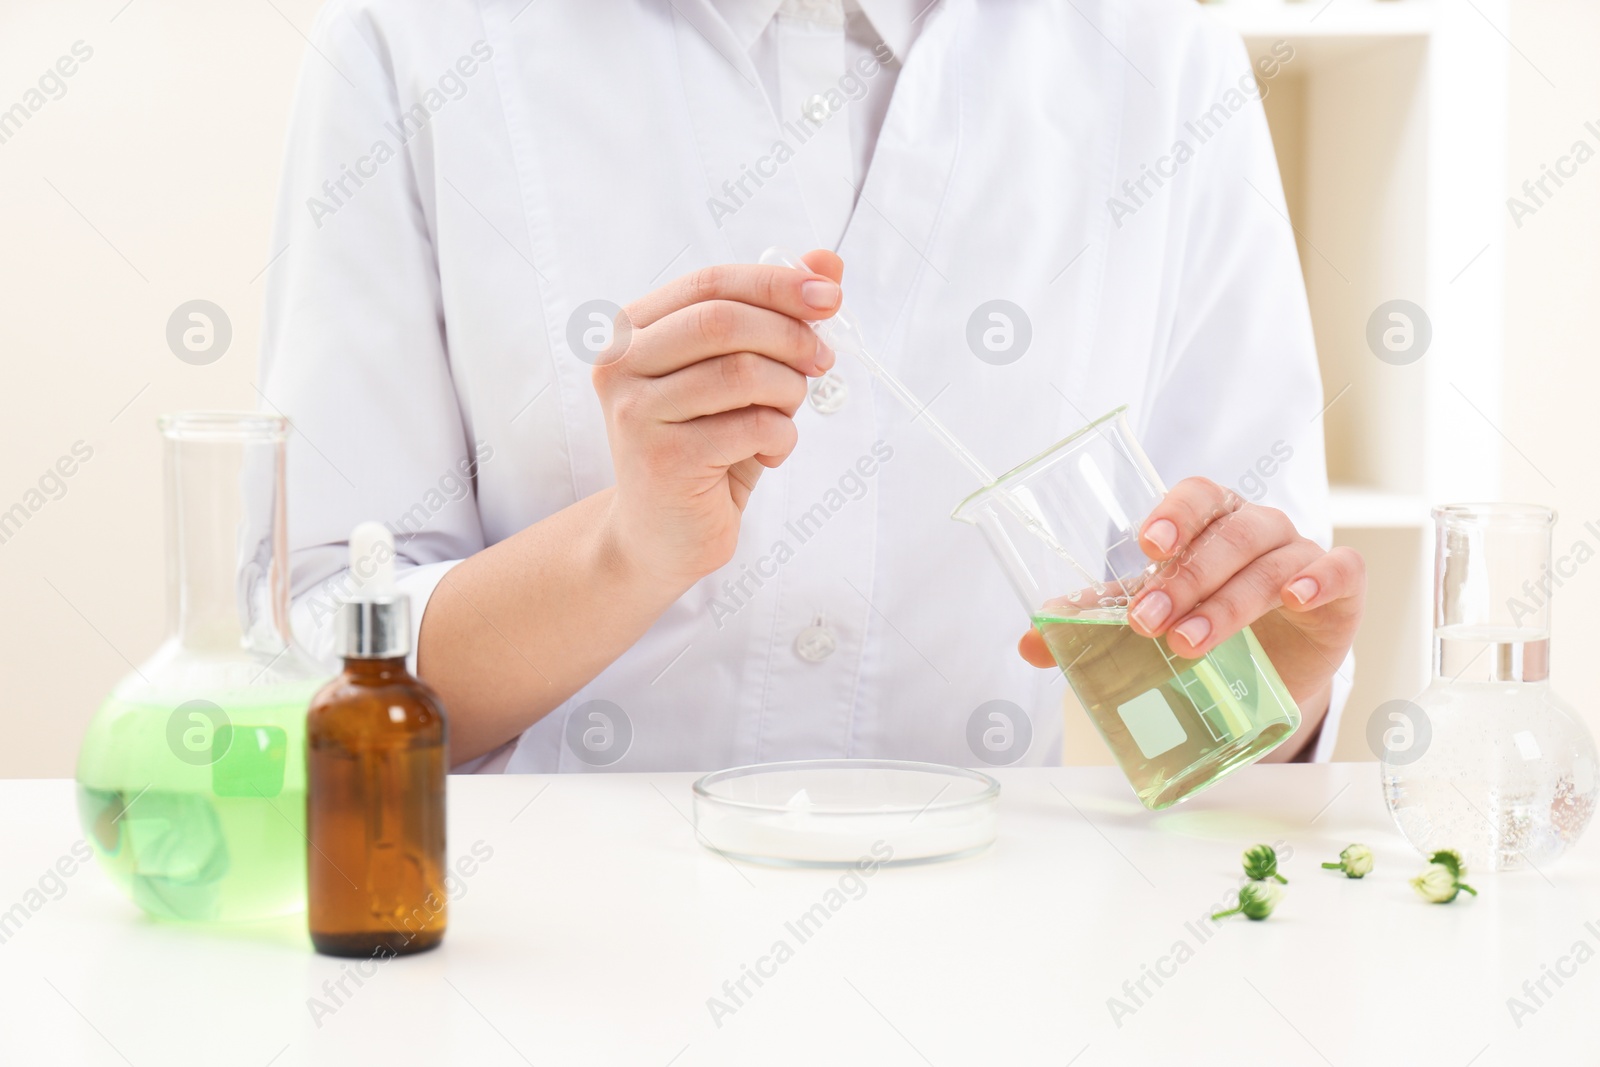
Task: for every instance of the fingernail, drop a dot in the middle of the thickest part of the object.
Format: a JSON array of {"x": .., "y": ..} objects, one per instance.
[
  {"x": 1193, "y": 631},
  {"x": 1163, "y": 534},
  {"x": 826, "y": 357},
  {"x": 1152, "y": 611},
  {"x": 1303, "y": 589},
  {"x": 819, "y": 294}
]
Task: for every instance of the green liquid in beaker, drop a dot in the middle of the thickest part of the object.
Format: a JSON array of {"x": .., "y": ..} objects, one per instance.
[
  {"x": 200, "y": 823},
  {"x": 1174, "y": 725}
]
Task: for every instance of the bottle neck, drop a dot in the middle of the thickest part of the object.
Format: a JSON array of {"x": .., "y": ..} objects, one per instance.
[
  {"x": 376, "y": 670},
  {"x": 375, "y": 629},
  {"x": 1492, "y": 588},
  {"x": 1472, "y": 654},
  {"x": 227, "y": 573}
]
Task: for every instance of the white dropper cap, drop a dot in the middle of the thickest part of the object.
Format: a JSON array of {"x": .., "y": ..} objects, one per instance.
[
  {"x": 372, "y": 561},
  {"x": 375, "y": 623}
]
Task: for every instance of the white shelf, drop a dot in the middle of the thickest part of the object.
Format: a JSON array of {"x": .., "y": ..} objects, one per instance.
[
  {"x": 1310, "y": 19},
  {"x": 1359, "y": 508},
  {"x": 1389, "y": 122}
]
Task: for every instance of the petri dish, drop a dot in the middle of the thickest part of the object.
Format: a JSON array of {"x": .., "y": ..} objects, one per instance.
[{"x": 846, "y": 812}]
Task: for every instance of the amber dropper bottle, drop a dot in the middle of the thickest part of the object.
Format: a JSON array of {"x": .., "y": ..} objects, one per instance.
[{"x": 376, "y": 764}]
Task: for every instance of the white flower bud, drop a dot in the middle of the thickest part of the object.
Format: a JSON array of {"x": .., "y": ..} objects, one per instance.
[
  {"x": 1261, "y": 863},
  {"x": 1256, "y": 901},
  {"x": 1357, "y": 861},
  {"x": 1436, "y": 884},
  {"x": 1450, "y": 858}
]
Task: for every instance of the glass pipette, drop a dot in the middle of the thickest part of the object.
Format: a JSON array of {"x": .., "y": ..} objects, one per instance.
[{"x": 843, "y": 334}]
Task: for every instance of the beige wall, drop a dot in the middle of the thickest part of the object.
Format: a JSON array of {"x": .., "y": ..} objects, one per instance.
[
  {"x": 1553, "y": 313},
  {"x": 167, "y": 142}
]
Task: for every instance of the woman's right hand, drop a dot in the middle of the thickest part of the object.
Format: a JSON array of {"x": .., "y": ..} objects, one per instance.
[{"x": 701, "y": 397}]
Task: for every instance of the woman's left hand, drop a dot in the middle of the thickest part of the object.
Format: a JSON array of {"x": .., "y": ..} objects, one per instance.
[{"x": 1227, "y": 564}]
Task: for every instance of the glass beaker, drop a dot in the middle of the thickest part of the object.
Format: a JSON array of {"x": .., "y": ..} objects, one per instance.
[
  {"x": 191, "y": 779},
  {"x": 1488, "y": 760},
  {"x": 1065, "y": 527}
]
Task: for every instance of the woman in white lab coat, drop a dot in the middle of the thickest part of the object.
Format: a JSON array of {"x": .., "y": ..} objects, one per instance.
[{"x": 723, "y": 547}]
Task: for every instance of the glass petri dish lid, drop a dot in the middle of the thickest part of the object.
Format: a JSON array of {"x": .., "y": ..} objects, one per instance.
[{"x": 846, "y": 812}]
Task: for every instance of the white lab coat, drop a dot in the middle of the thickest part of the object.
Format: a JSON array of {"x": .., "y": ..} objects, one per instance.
[{"x": 462, "y": 176}]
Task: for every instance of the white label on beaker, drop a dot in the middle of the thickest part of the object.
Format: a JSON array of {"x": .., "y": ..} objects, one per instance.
[{"x": 1151, "y": 722}]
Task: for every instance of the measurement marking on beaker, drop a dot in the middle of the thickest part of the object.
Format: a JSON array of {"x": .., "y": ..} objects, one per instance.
[
  {"x": 1210, "y": 720},
  {"x": 1260, "y": 673}
]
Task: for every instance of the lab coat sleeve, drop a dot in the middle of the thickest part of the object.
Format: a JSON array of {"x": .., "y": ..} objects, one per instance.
[
  {"x": 353, "y": 347},
  {"x": 1236, "y": 395}
]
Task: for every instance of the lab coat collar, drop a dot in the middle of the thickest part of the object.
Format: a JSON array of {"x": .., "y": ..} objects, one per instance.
[
  {"x": 746, "y": 18},
  {"x": 894, "y": 20}
]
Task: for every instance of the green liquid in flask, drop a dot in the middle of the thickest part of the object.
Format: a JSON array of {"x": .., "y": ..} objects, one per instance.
[
  {"x": 200, "y": 817},
  {"x": 1176, "y": 726}
]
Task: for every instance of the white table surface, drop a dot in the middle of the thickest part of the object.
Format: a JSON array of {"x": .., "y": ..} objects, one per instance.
[{"x": 598, "y": 929}]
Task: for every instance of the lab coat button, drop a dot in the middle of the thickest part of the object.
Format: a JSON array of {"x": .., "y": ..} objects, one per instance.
[
  {"x": 815, "y": 108},
  {"x": 815, "y": 643},
  {"x": 828, "y": 393}
]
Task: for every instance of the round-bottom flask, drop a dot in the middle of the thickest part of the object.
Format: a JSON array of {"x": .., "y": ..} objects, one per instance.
[
  {"x": 191, "y": 778},
  {"x": 1489, "y": 760}
]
